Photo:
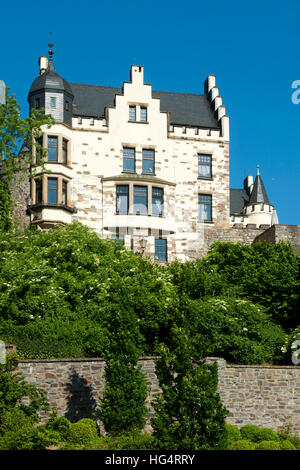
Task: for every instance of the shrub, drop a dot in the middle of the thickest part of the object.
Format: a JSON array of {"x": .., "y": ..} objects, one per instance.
[
  {"x": 59, "y": 424},
  {"x": 235, "y": 329},
  {"x": 268, "y": 445},
  {"x": 91, "y": 423},
  {"x": 287, "y": 445},
  {"x": 266, "y": 273},
  {"x": 250, "y": 432},
  {"x": 132, "y": 441},
  {"x": 266, "y": 434},
  {"x": 81, "y": 433},
  {"x": 286, "y": 434},
  {"x": 13, "y": 388},
  {"x": 52, "y": 282},
  {"x": 19, "y": 433},
  {"x": 243, "y": 444},
  {"x": 233, "y": 434}
]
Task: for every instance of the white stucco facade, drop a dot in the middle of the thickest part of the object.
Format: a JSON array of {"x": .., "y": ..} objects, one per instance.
[{"x": 89, "y": 170}]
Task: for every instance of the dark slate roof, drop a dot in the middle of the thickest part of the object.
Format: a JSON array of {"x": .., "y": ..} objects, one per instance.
[
  {"x": 91, "y": 100},
  {"x": 238, "y": 200},
  {"x": 50, "y": 80},
  {"x": 185, "y": 109},
  {"x": 258, "y": 194}
]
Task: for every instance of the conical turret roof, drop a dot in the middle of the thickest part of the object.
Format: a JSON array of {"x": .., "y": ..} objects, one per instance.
[{"x": 258, "y": 194}]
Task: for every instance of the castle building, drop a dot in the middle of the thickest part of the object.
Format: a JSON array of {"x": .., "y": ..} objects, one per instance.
[{"x": 150, "y": 168}]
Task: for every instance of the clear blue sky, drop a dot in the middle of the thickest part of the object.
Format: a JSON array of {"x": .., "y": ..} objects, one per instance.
[{"x": 251, "y": 47}]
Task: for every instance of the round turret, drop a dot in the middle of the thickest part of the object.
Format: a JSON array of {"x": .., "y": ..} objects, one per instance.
[{"x": 51, "y": 92}]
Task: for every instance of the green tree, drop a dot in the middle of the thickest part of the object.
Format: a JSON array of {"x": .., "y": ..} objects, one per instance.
[
  {"x": 14, "y": 388},
  {"x": 16, "y": 158},
  {"x": 265, "y": 273},
  {"x": 5, "y": 205},
  {"x": 235, "y": 329},
  {"x": 122, "y": 408},
  {"x": 188, "y": 413}
]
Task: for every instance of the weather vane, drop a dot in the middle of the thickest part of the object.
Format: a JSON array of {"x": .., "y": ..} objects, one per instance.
[{"x": 50, "y": 44}]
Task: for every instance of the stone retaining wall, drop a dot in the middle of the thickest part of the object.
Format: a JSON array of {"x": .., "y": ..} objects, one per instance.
[{"x": 268, "y": 396}]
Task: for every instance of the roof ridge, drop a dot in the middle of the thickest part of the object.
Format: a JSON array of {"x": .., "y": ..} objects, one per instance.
[
  {"x": 155, "y": 91},
  {"x": 178, "y": 93},
  {"x": 87, "y": 84}
]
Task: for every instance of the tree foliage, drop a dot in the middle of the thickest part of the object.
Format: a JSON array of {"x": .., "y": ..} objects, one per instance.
[
  {"x": 265, "y": 273},
  {"x": 122, "y": 408},
  {"x": 17, "y": 138},
  {"x": 188, "y": 413},
  {"x": 58, "y": 290},
  {"x": 14, "y": 389}
]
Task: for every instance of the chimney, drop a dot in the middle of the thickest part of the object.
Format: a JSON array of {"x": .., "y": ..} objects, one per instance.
[
  {"x": 43, "y": 63},
  {"x": 210, "y": 82},
  {"x": 248, "y": 183},
  {"x": 137, "y": 74}
]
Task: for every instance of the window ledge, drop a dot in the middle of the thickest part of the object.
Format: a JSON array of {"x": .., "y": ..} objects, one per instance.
[
  {"x": 58, "y": 163},
  {"x": 209, "y": 178},
  {"x": 141, "y": 214},
  {"x": 139, "y": 122},
  {"x": 55, "y": 206}
]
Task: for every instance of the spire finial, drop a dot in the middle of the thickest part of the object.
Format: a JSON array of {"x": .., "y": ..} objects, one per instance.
[
  {"x": 257, "y": 169},
  {"x": 50, "y": 44}
]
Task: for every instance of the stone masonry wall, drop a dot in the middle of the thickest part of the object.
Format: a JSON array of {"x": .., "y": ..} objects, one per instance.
[
  {"x": 281, "y": 232},
  {"x": 268, "y": 396},
  {"x": 20, "y": 189}
]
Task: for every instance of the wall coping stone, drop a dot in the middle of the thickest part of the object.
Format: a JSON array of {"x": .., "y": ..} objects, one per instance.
[
  {"x": 84, "y": 359},
  {"x": 153, "y": 358}
]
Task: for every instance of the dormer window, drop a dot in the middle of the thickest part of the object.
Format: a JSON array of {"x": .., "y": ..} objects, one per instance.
[
  {"x": 53, "y": 102},
  {"x": 67, "y": 106},
  {"x": 132, "y": 113}
]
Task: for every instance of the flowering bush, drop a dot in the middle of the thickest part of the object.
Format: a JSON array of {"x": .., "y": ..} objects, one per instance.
[
  {"x": 235, "y": 329},
  {"x": 56, "y": 287}
]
